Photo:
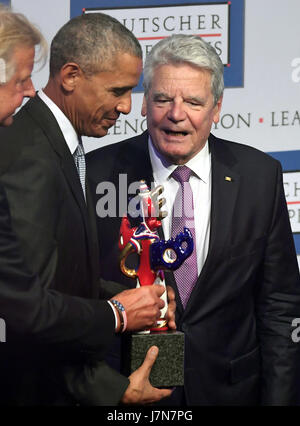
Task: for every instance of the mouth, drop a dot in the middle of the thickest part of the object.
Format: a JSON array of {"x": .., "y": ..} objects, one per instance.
[
  {"x": 108, "y": 122},
  {"x": 175, "y": 133},
  {"x": 111, "y": 120}
]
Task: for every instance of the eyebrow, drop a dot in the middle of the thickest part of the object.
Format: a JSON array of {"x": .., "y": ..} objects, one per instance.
[
  {"x": 161, "y": 95},
  {"x": 196, "y": 99},
  {"x": 121, "y": 88}
]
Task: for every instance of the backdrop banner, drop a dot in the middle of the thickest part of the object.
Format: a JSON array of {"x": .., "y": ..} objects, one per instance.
[{"x": 258, "y": 42}]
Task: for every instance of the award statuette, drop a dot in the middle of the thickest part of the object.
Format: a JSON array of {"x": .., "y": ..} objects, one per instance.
[{"x": 155, "y": 256}]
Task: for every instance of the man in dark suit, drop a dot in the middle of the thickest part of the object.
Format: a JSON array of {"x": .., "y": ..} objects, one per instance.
[
  {"x": 54, "y": 221},
  {"x": 26, "y": 306},
  {"x": 237, "y": 310}
]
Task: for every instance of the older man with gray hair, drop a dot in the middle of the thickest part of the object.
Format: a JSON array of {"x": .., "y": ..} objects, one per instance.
[
  {"x": 18, "y": 38},
  {"x": 94, "y": 64},
  {"x": 239, "y": 292}
]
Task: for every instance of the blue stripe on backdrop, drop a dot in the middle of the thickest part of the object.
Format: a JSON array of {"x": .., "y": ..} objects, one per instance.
[
  {"x": 297, "y": 243},
  {"x": 290, "y": 160},
  {"x": 6, "y": 2}
]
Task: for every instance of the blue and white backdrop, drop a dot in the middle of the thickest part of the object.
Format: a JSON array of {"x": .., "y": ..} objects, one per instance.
[{"x": 258, "y": 42}]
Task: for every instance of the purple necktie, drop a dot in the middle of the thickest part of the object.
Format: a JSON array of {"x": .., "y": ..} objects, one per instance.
[{"x": 183, "y": 216}]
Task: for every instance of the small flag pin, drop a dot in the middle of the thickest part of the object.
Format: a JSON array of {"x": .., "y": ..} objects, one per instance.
[{"x": 228, "y": 178}]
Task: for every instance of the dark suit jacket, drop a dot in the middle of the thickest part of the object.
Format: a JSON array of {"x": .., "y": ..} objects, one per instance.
[
  {"x": 42, "y": 314},
  {"x": 237, "y": 322},
  {"x": 57, "y": 233}
]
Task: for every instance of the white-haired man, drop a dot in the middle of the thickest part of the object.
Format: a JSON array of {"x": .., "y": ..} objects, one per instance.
[{"x": 239, "y": 292}]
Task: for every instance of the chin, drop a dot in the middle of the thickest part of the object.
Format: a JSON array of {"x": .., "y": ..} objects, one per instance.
[
  {"x": 96, "y": 133},
  {"x": 101, "y": 133},
  {"x": 176, "y": 156}
]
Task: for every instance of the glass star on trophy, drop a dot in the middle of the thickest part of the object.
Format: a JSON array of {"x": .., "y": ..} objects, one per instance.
[{"x": 155, "y": 256}]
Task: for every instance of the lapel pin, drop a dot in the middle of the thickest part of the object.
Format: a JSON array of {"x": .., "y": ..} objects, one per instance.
[{"x": 228, "y": 178}]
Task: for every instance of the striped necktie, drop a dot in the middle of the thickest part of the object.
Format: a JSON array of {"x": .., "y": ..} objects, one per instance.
[
  {"x": 183, "y": 216},
  {"x": 79, "y": 159}
]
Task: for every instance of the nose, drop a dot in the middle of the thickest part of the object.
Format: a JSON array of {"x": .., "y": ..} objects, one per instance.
[
  {"x": 176, "y": 111},
  {"x": 124, "y": 105},
  {"x": 28, "y": 90}
]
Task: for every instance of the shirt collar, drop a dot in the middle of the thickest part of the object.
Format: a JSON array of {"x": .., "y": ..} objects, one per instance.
[
  {"x": 64, "y": 123},
  {"x": 200, "y": 164}
]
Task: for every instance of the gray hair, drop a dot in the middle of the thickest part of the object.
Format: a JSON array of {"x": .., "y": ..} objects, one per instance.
[
  {"x": 186, "y": 49},
  {"x": 92, "y": 41},
  {"x": 16, "y": 31}
]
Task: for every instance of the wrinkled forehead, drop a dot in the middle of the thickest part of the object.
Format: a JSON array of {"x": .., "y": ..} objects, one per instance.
[{"x": 180, "y": 77}]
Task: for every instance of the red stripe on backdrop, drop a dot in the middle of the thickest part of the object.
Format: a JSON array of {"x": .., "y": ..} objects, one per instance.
[{"x": 161, "y": 38}]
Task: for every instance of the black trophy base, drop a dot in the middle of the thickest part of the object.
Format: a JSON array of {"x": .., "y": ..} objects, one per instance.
[{"x": 168, "y": 369}]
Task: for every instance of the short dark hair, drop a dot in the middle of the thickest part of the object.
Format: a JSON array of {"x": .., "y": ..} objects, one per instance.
[{"x": 92, "y": 41}]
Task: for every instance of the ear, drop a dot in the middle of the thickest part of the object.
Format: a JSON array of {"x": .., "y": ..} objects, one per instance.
[
  {"x": 70, "y": 74},
  {"x": 144, "y": 107},
  {"x": 217, "y": 108}
]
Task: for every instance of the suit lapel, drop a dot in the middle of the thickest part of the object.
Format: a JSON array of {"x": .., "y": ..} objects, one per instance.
[
  {"x": 44, "y": 118},
  {"x": 225, "y": 186},
  {"x": 139, "y": 164}
]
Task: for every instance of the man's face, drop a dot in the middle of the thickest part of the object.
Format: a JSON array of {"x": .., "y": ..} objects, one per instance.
[
  {"x": 19, "y": 86},
  {"x": 98, "y": 101},
  {"x": 180, "y": 111}
]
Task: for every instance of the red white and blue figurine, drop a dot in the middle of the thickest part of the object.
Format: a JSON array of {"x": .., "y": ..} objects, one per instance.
[{"x": 155, "y": 255}]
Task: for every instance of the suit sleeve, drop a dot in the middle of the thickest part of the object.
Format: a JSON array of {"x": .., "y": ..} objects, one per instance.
[
  {"x": 32, "y": 189},
  {"x": 95, "y": 383},
  {"x": 108, "y": 289},
  {"x": 46, "y": 315},
  {"x": 278, "y": 304}
]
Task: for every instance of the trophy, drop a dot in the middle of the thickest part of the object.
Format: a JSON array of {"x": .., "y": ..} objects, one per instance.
[{"x": 155, "y": 257}]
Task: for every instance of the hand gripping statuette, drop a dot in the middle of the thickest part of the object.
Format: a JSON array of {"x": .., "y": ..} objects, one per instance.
[{"x": 155, "y": 255}]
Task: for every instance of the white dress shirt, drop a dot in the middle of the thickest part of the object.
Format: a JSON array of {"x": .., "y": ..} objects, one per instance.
[
  {"x": 200, "y": 182},
  {"x": 63, "y": 122}
]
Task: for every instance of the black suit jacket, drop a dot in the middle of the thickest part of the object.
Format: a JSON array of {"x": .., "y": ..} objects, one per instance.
[
  {"x": 57, "y": 235},
  {"x": 43, "y": 314},
  {"x": 237, "y": 322}
]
